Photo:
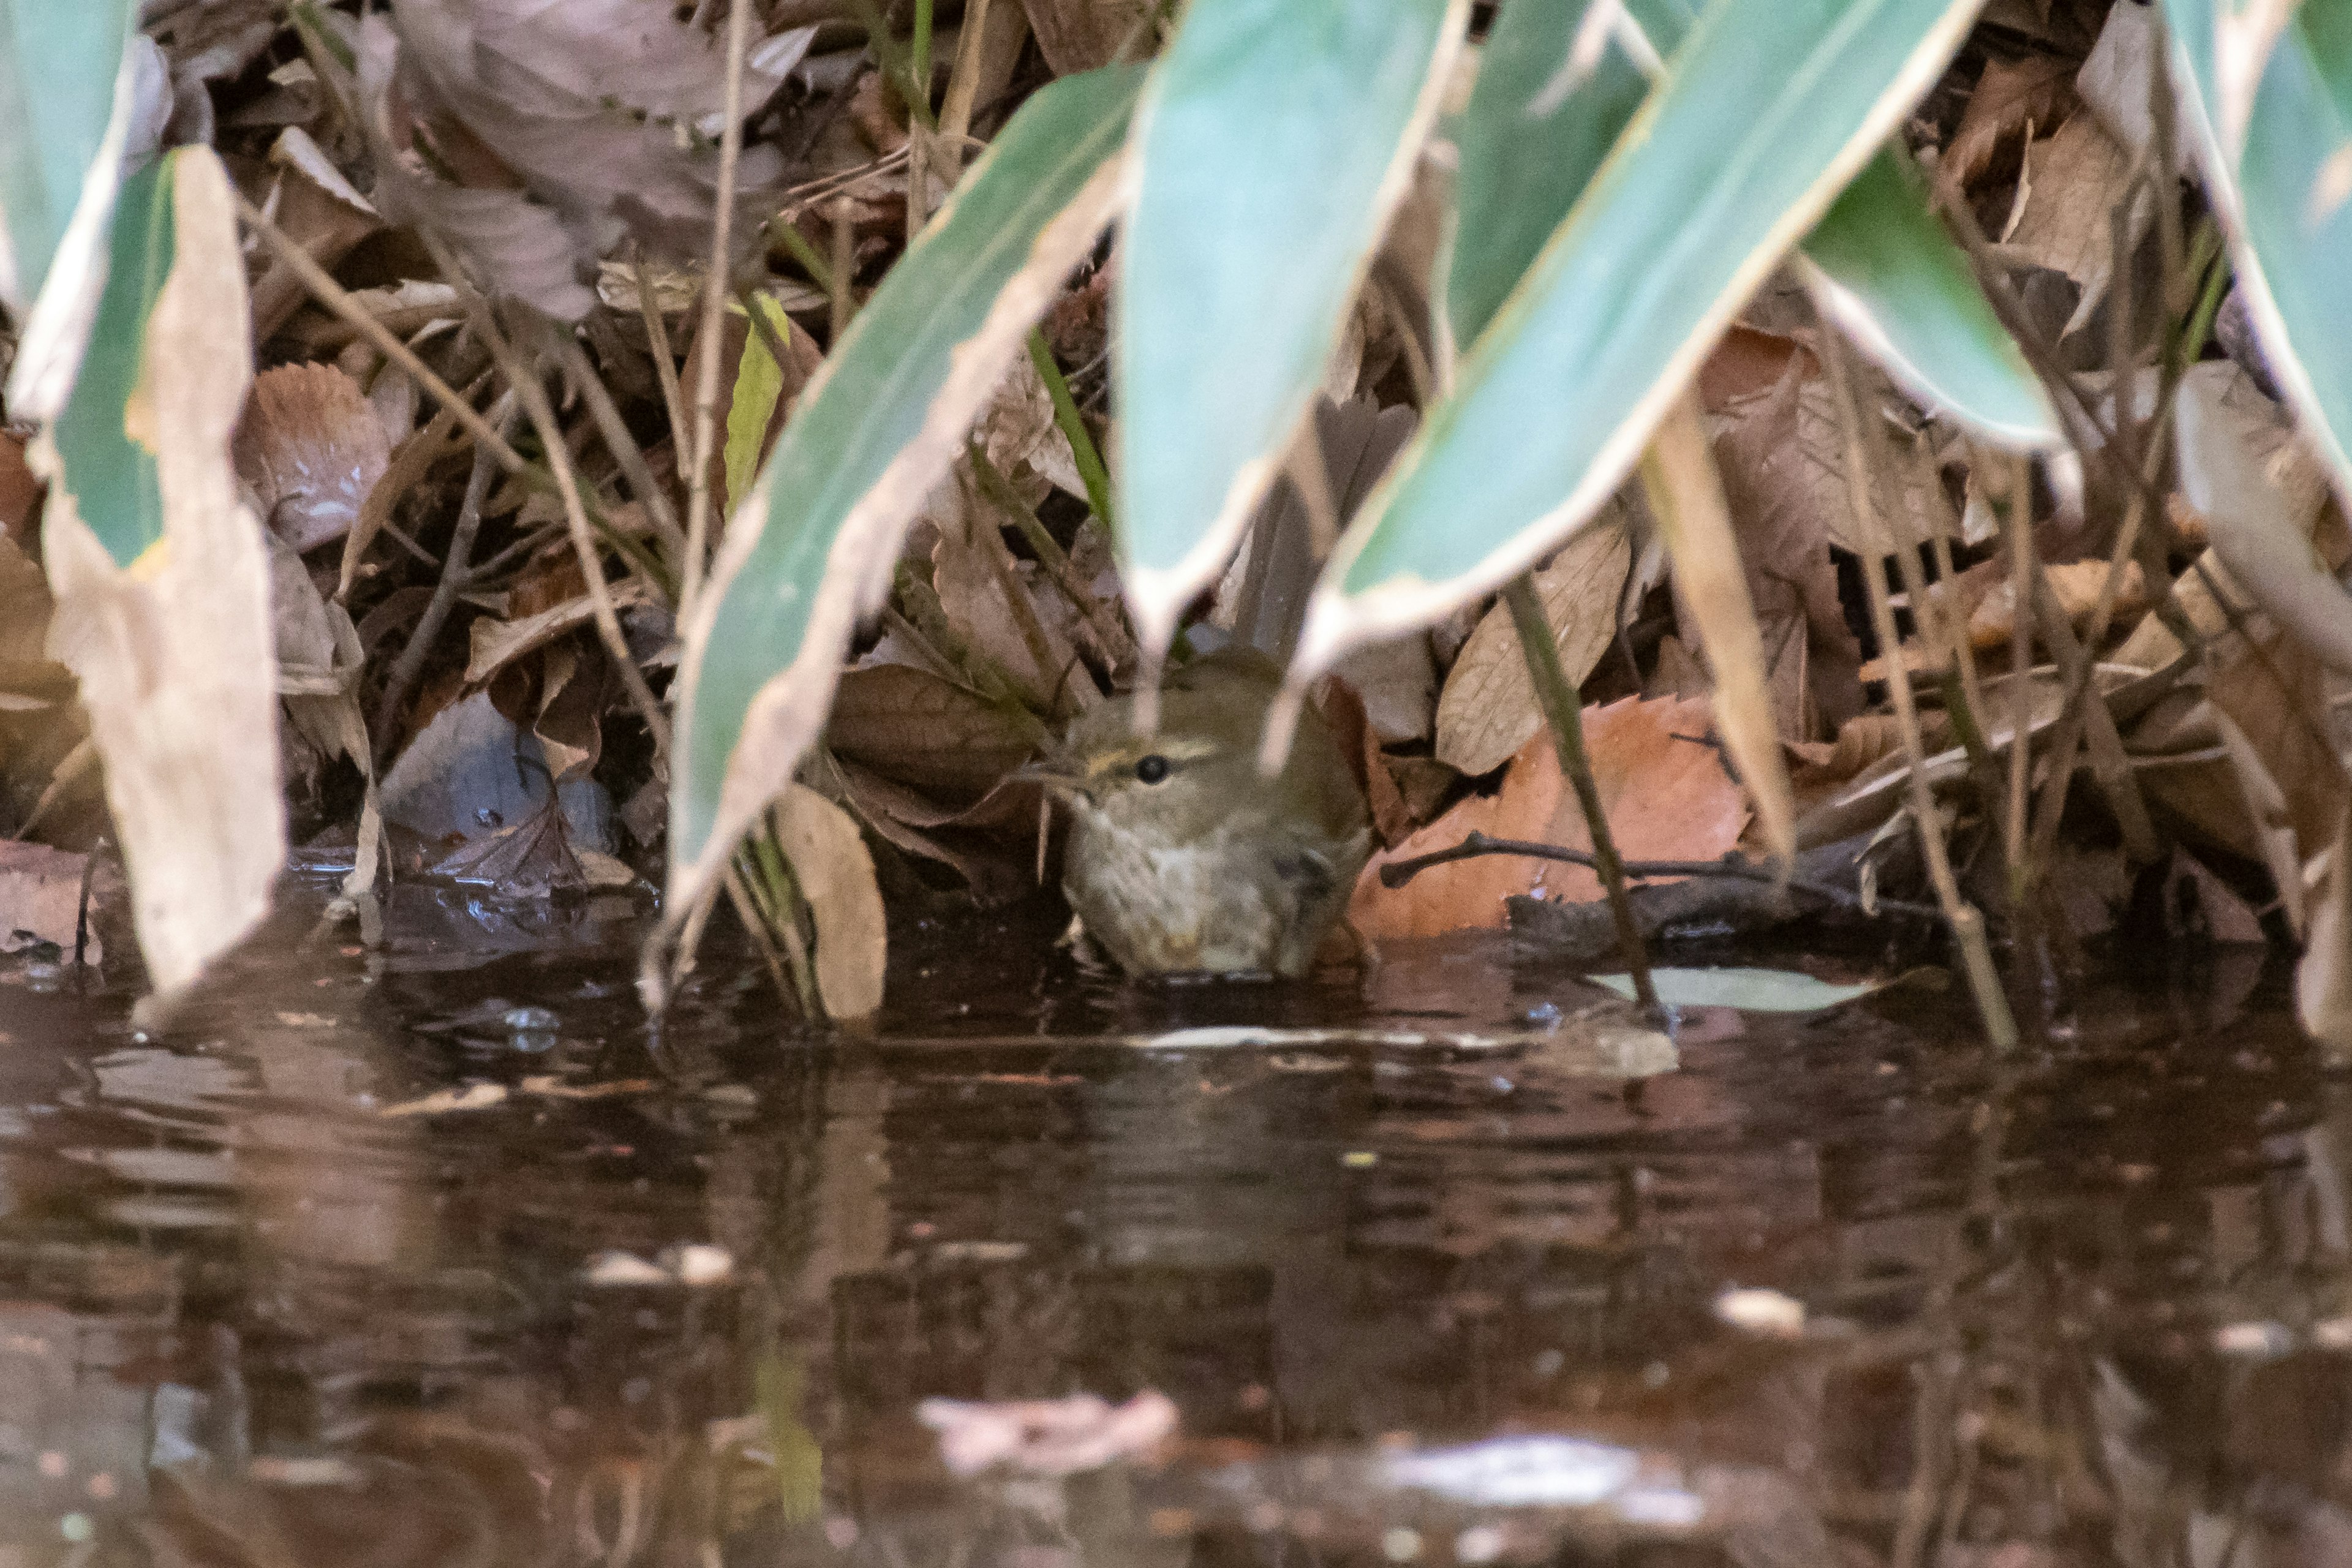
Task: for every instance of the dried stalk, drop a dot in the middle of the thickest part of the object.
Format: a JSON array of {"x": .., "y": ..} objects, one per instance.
[
  {"x": 714, "y": 319},
  {"x": 1563, "y": 707},
  {"x": 1967, "y": 925},
  {"x": 615, "y": 432},
  {"x": 681, "y": 430},
  {"x": 456, "y": 573}
]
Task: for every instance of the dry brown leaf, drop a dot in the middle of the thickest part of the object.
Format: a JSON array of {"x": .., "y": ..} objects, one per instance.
[
  {"x": 911, "y": 725},
  {"x": 1786, "y": 496},
  {"x": 603, "y": 109},
  {"x": 174, "y": 655},
  {"x": 2036, "y": 88},
  {"x": 1080, "y": 34},
  {"x": 311, "y": 447},
  {"x": 1004, "y": 609},
  {"x": 2323, "y": 980},
  {"x": 1687, "y": 495},
  {"x": 1745, "y": 362},
  {"x": 2076, "y": 587},
  {"x": 836, "y": 876},
  {"x": 2079, "y": 177},
  {"x": 497, "y": 644},
  {"x": 2277, "y": 693},
  {"x": 20, "y": 495},
  {"x": 1488, "y": 709},
  {"x": 40, "y": 896},
  {"x": 571, "y": 709},
  {"x": 1667, "y": 798}
]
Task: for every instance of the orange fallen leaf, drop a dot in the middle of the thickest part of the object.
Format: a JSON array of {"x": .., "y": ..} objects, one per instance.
[{"x": 1668, "y": 799}]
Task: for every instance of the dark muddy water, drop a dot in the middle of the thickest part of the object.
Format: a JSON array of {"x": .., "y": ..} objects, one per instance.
[{"x": 434, "y": 1256}]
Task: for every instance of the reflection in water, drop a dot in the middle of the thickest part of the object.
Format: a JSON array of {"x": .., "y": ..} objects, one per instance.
[{"x": 677, "y": 1298}]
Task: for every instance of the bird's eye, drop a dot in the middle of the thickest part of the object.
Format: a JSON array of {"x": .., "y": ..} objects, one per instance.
[{"x": 1151, "y": 769}]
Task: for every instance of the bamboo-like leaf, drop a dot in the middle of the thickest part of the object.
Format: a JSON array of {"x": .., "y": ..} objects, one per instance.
[
  {"x": 113, "y": 479},
  {"x": 811, "y": 548},
  {"x": 2279, "y": 168},
  {"x": 1271, "y": 145},
  {"x": 170, "y": 638},
  {"x": 65, "y": 104},
  {"x": 1539, "y": 122},
  {"x": 1881, "y": 266},
  {"x": 1767, "y": 109}
]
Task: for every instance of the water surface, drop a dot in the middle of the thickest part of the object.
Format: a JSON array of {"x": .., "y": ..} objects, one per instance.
[{"x": 433, "y": 1253}]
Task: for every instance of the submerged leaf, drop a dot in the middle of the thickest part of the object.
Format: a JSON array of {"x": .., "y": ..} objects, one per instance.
[{"x": 1751, "y": 990}]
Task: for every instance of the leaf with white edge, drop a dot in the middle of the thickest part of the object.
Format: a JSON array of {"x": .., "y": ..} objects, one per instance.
[
  {"x": 1271, "y": 144},
  {"x": 1540, "y": 120},
  {"x": 1749, "y": 990},
  {"x": 1881, "y": 267},
  {"x": 67, "y": 87},
  {"x": 1767, "y": 109},
  {"x": 172, "y": 640},
  {"x": 811, "y": 548},
  {"x": 2277, "y": 158}
]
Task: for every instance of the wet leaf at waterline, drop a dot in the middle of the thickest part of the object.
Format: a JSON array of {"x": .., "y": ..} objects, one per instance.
[
  {"x": 1750, "y": 990},
  {"x": 1271, "y": 145},
  {"x": 812, "y": 547}
]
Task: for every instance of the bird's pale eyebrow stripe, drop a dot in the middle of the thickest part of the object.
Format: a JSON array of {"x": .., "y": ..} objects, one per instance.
[{"x": 1175, "y": 748}]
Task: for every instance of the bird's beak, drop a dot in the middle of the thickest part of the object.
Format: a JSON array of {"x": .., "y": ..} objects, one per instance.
[{"x": 1057, "y": 775}]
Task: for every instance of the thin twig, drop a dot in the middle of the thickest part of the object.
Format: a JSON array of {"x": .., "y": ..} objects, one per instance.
[
  {"x": 584, "y": 545},
  {"x": 1116, "y": 646},
  {"x": 457, "y": 568},
  {"x": 711, "y": 336},
  {"x": 1967, "y": 924},
  {"x": 1397, "y": 873},
  {"x": 1091, "y": 471},
  {"x": 681, "y": 431},
  {"x": 1562, "y": 705},
  {"x": 615, "y": 430}
]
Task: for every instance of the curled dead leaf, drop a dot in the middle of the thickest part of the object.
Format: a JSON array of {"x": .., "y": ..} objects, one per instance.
[{"x": 311, "y": 447}]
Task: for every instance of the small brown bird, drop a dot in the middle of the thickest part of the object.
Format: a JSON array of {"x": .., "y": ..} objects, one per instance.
[{"x": 1182, "y": 857}]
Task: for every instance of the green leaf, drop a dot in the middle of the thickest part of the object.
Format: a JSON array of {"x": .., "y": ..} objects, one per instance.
[
  {"x": 811, "y": 548},
  {"x": 1767, "y": 109},
  {"x": 1750, "y": 990},
  {"x": 1274, "y": 141},
  {"x": 759, "y": 382},
  {"x": 1530, "y": 142},
  {"x": 112, "y": 474},
  {"x": 59, "y": 67},
  {"x": 2283, "y": 182},
  {"x": 162, "y": 574},
  {"x": 1883, "y": 268},
  {"x": 65, "y": 104}
]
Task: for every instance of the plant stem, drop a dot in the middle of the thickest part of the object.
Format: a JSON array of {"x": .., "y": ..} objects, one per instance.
[
  {"x": 1967, "y": 925},
  {"x": 712, "y": 333},
  {"x": 1563, "y": 706},
  {"x": 1091, "y": 470}
]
